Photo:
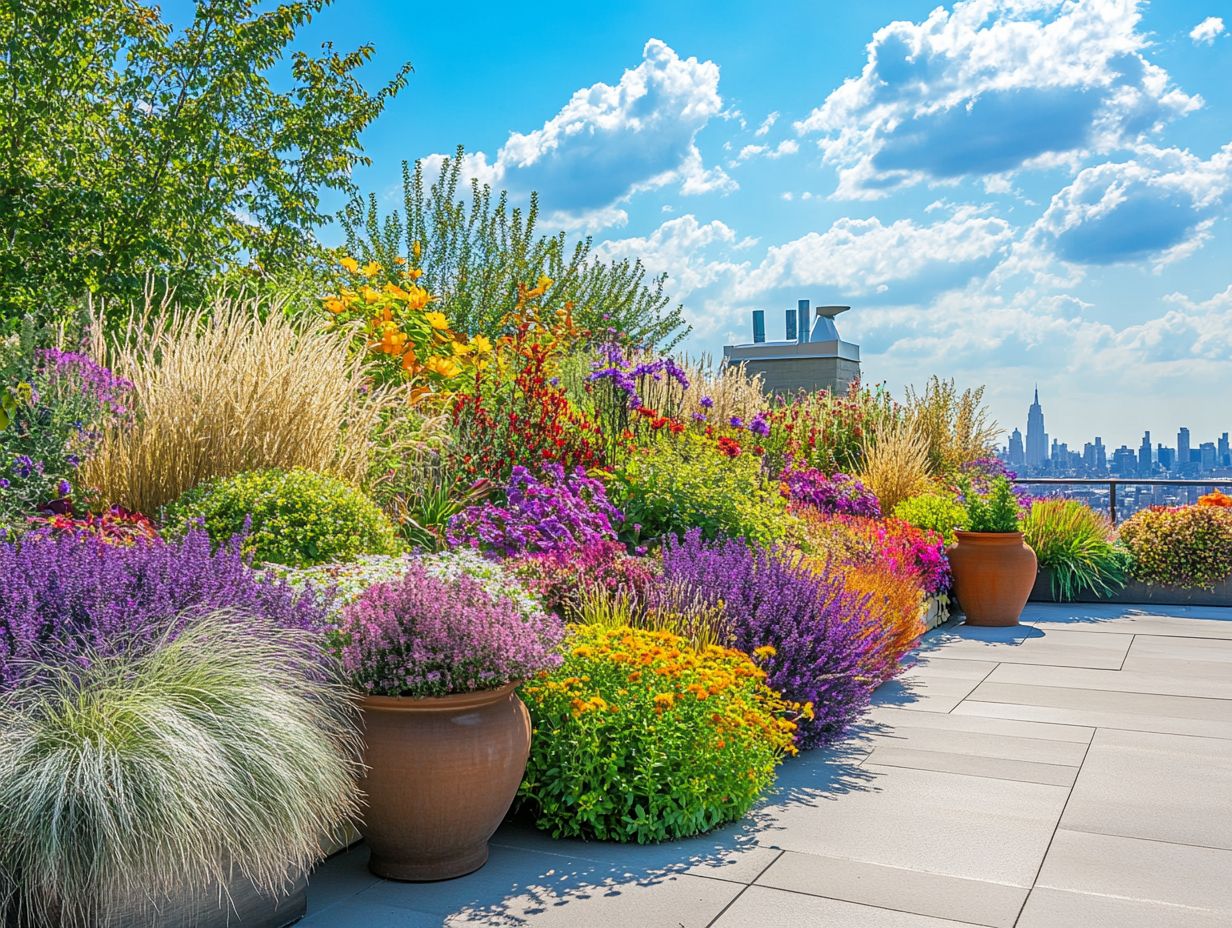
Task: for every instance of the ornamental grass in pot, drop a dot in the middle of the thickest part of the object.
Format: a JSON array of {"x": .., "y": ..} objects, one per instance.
[
  {"x": 993, "y": 567},
  {"x": 446, "y": 737}
]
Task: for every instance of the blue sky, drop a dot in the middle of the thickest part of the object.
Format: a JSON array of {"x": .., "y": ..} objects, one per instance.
[{"x": 1006, "y": 191}]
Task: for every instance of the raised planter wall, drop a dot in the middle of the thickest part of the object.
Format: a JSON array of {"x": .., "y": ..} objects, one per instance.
[{"x": 1140, "y": 593}]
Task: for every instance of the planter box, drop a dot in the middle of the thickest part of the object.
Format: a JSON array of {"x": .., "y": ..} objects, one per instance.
[
  {"x": 1136, "y": 593},
  {"x": 937, "y": 610}
]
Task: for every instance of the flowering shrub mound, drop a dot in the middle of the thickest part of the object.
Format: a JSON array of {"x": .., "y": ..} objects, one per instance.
[
  {"x": 639, "y": 737},
  {"x": 896, "y": 603},
  {"x": 563, "y": 512},
  {"x": 1216, "y": 498},
  {"x": 293, "y": 517},
  {"x": 426, "y": 635},
  {"x": 559, "y": 578},
  {"x": 692, "y": 482},
  {"x": 837, "y": 493},
  {"x": 821, "y": 633},
  {"x": 1188, "y": 546},
  {"x": 67, "y": 595},
  {"x": 936, "y": 512},
  {"x": 889, "y": 545}
]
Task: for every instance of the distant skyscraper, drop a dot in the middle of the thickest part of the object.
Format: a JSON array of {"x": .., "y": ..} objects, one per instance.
[
  {"x": 1225, "y": 453},
  {"x": 1207, "y": 455},
  {"x": 1017, "y": 456},
  {"x": 1182, "y": 447},
  {"x": 1037, "y": 439},
  {"x": 1101, "y": 455},
  {"x": 1144, "y": 455}
]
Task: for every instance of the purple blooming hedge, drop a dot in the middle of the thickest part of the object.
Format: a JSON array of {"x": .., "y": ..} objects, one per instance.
[
  {"x": 423, "y": 635},
  {"x": 820, "y": 631},
  {"x": 838, "y": 493},
  {"x": 563, "y": 512},
  {"x": 66, "y": 595}
]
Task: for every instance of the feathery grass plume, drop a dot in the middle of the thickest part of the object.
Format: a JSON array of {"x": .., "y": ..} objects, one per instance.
[
  {"x": 956, "y": 426},
  {"x": 156, "y": 772},
  {"x": 669, "y": 606},
  {"x": 895, "y": 463},
  {"x": 231, "y": 387},
  {"x": 1075, "y": 542},
  {"x": 731, "y": 390}
]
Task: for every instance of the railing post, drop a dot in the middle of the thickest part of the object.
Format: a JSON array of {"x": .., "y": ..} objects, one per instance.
[{"x": 1112, "y": 500}]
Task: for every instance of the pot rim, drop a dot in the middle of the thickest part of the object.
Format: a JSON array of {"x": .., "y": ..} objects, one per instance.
[
  {"x": 991, "y": 537},
  {"x": 450, "y": 703}
]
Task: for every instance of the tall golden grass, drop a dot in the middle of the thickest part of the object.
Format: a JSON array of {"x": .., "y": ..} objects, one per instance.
[
  {"x": 956, "y": 425},
  {"x": 230, "y": 387},
  {"x": 895, "y": 463},
  {"x": 733, "y": 391}
]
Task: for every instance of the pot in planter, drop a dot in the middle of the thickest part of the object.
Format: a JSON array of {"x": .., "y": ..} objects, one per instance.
[
  {"x": 993, "y": 576},
  {"x": 446, "y": 738},
  {"x": 442, "y": 773}
]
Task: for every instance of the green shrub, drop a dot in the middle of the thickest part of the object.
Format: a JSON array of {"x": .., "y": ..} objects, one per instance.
[
  {"x": 1189, "y": 546},
  {"x": 995, "y": 512},
  {"x": 149, "y": 774},
  {"x": 298, "y": 517},
  {"x": 938, "y": 512},
  {"x": 688, "y": 482},
  {"x": 638, "y": 737},
  {"x": 1075, "y": 542}
]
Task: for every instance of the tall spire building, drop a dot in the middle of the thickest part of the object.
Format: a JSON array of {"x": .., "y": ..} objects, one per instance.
[{"x": 1037, "y": 438}]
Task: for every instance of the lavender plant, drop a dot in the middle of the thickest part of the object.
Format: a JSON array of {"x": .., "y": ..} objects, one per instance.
[
  {"x": 838, "y": 493},
  {"x": 821, "y": 634}
]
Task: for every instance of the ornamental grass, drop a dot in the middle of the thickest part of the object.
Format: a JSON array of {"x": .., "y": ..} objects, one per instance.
[
  {"x": 895, "y": 463},
  {"x": 1075, "y": 543},
  {"x": 640, "y": 737},
  {"x": 231, "y": 387}
]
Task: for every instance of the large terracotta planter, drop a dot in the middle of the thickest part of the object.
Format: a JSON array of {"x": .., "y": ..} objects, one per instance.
[
  {"x": 442, "y": 773},
  {"x": 993, "y": 576}
]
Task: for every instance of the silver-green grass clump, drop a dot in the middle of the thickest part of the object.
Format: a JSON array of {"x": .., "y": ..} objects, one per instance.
[
  {"x": 228, "y": 750},
  {"x": 1075, "y": 543}
]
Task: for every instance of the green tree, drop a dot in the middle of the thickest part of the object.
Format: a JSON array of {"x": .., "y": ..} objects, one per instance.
[
  {"x": 474, "y": 254},
  {"x": 129, "y": 148}
]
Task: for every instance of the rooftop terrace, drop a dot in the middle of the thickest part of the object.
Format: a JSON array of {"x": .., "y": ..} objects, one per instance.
[{"x": 1075, "y": 770}]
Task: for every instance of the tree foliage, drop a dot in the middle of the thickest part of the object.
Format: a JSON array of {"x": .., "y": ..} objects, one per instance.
[
  {"x": 475, "y": 251},
  {"x": 130, "y": 148}
]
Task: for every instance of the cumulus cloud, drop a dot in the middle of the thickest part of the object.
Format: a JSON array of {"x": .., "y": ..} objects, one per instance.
[
  {"x": 686, "y": 249},
  {"x": 1206, "y": 31},
  {"x": 767, "y": 124},
  {"x": 857, "y": 257},
  {"x": 990, "y": 87},
  {"x": 748, "y": 152},
  {"x": 1158, "y": 206}
]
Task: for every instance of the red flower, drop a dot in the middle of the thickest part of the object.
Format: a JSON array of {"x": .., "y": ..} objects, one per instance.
[{"x": 729, "y": 446}]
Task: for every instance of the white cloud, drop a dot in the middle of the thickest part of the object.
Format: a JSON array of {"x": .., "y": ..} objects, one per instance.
[
  {"x": 767, "y": 124},
  {"x": 680, "y": 246},
  {"x": 1205, "y": 32},
  {"x": 748, "y": 152},
  {"x": 990, "y": 87}
]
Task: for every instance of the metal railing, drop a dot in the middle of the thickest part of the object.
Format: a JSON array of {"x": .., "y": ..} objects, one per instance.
[{"x": 1113, "y": 482}]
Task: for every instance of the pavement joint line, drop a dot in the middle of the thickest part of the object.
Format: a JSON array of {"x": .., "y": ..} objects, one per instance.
[
  {"x": 1113, "y": 834},
  {"x": 1100, "y": 689},
  {"x": 744, "y": 889},
  {"x": 1140, "y": 731},
  {"x": 963, "y": 699},
  {"x": 1125, "y": 656},
  {"x": 1068, "y": 796}
]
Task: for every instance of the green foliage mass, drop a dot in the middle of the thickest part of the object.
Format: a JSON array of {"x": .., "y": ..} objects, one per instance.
[
  {"x": 298, "y": 517},
  {"x": 131, "y": 148},
  {"x": 938, "y": 512},
  {"x": 475, "y": 254},
  {"x": 687, "y": 482},
  {"x": 1075, "y": 543},
  {"x": 995, "y": 512},
  {"x": 1189, "y": 547}
]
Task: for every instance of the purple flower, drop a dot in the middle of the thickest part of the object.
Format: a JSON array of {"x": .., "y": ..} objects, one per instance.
[
  {"x": 705, "y": 402},
  {"x": 423, "y": 635},
  {"x": 736, "y": 422},
  {"x": 64, "y": 487},
  {"x": 822, "y": 634},
  {"x": 838, "y": 493},
  {"x": 759, "y": 425}
]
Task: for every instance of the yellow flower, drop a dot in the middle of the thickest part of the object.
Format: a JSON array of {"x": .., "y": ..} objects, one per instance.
[
  {"x": 481, "y": 344},
  {"x": 664, "y": 700},
  {"x": 350, "y": 264},
  {"x": 437, "y": 320},
  {"x": 444, "y": 367},
  {"x": 416, "y": 250},
  {"x": 766, "y": 650},
  {"x": 543, "y": 283},
  {"x": 335, "y": 305},
  {"x": 399, "y": 261},
  {"x": 369, "y": 295},
  {"x": 371, "y": 269},
  {"x": 460, "y": 349}
]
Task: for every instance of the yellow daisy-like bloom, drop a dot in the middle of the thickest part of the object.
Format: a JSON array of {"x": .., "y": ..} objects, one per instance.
[
  {"x": 370, "y": 295},
  {"x": 437, "y": 320},
  {"x": 399, "y": 261},
  {"x": 460, "y": 350},
  {"x": 335, "y": 305},
  {"x": 766, "y": 650},
  {"x": 444, "y": 367},
  {"x": 371, "y": 269},
  {"x": 481, "y": 344},
  {"x": 350, "y": 264}
]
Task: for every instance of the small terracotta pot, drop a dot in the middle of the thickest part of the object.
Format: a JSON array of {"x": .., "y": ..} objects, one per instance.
[
  {"x": 993, "y": 576},
  {"x": 442, "y": 773}
]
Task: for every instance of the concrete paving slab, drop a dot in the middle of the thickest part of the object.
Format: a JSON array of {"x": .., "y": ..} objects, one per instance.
[
  {"x": 1162, "y": 787},
  {"x": 913, "y": 732},
  {"x": 917, "y": 891},
  {"x": 972, "y": 827},
  {"x": 1055, "y": 908},
  {"x": 999, "y": 768},
  {"x": 762, "y": 907},
  {"x": 1180, "y": 656},
  {"x": 1187, "y": 622},
  {"x": 1026, "y": 644},
  {"x": 1134, "y": 869},
  {"x": 933, "y": 684},
  {"x": 1215, "y": 682},
  {"x": 884, "y": 718}
]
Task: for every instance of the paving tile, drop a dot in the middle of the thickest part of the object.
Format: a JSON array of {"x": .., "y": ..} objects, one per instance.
[
  {"x": 1134, "y": 869},
  {"x": 972, "y": 827},
  {"x": 914, "y": 731},
  {"x": 973, "y": 765},
  {"x": 885, "y": 718},
  {"x": 772, "y": 908},
  {"x": 1188, "y": 622},
  {"x": 1164, "y": 787},
  {"x": 933, "y": 684},
  {"x": 916, "y": 891},
  {"x": 1216, "y": 683},
  {"x": 342, "y": 876},
  {"x": 361, "y": 913},
  {"x": 1180, "y": 656},
  {"x": 1026, "y": 644},
  {"x": 1182, "y": 715},
  {"x": 677, "y": 901},
  {"x": 1054, "y": 908}
]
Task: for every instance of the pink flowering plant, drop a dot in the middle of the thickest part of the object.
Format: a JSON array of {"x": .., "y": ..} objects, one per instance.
[
  {"x": 425, "y": 635},
  {"x": 808, "y": 486}
]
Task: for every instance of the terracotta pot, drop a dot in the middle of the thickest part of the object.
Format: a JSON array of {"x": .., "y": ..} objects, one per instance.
[
  {"x": 993, "y": 576},
  {"x": 442, "y": 773}
]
